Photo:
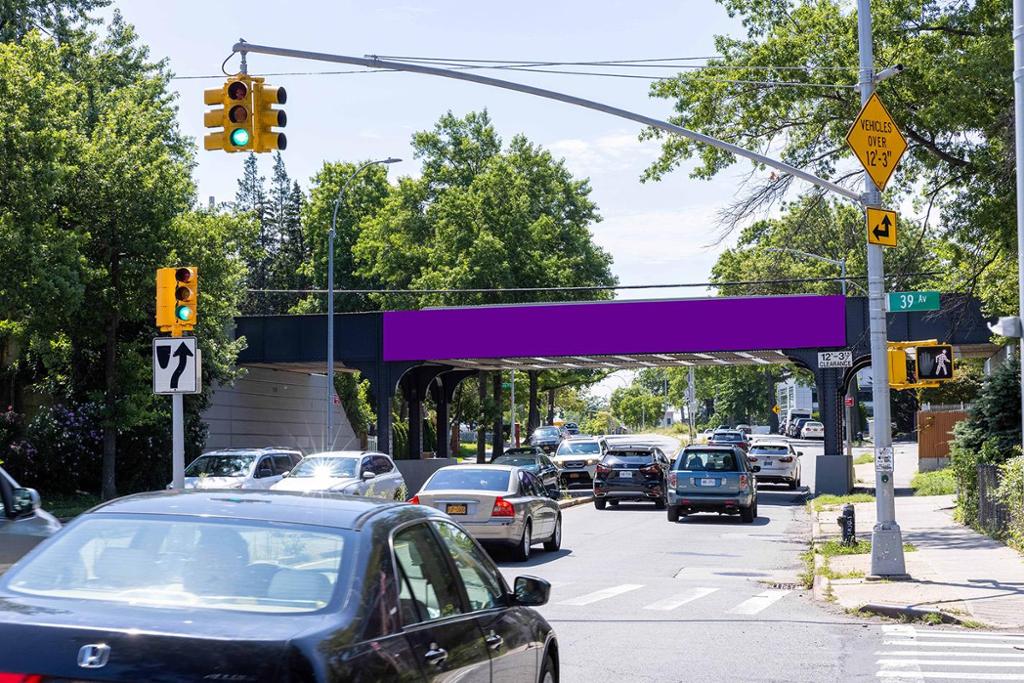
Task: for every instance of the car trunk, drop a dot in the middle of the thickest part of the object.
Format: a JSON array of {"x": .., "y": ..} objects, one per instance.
[
  {"x": 478, "y": 504},
  {"x": 690, "y": 482},
  {"x": 146, "y": 643}
]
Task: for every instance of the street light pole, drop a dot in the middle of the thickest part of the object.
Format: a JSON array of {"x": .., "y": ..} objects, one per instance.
[
  {"x": 1018, "y": 110},
  {"x": 329, "y": 424},
  {"x": 886, "y": 539}
]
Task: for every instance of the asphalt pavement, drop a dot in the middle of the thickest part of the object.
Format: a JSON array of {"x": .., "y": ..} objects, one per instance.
[{"x": 635, "y": 598}]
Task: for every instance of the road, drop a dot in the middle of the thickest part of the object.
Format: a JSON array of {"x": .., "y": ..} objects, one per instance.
[{"x": 636, "y": 598}]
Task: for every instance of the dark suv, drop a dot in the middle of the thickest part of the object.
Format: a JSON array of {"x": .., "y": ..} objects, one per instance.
[
  {"x": 729, "y": 437},
  {"x": 631, "y": 473}
]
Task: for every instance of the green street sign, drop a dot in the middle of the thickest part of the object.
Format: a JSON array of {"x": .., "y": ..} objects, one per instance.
[
  {"x": 506, "y": 385},
  {"x": 905, "y": 302}
]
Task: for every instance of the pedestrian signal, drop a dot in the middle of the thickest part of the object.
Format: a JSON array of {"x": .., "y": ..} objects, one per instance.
[{"x": 935, "y": 362}]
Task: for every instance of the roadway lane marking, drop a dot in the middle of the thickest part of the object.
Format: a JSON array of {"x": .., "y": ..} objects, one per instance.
[
  {"x": 759, "y": 602},
  {"x": 918, "y": 653},
  {"x": 602, "y": 594},
  {"x": 950, "y": 675},
  {"x": 681, "y": 599},
  {"x": 949, "y": 644},
  {"x": 944, "y": 662},
  {"x": 968, "y": 636}
]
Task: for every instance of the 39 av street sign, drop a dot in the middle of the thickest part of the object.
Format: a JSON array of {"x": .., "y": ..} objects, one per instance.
[
  {"x": 835, "y": 359},
  {"x": 876, "y": 141},
  {"x": 907, "y": 302}
]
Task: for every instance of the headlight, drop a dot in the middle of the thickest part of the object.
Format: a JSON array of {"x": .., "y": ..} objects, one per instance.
[{"x": 592, "y": 461}]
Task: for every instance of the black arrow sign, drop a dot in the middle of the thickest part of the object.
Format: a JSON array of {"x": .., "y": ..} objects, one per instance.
[
  {"x": 879, "y": 234},
  {"x": 182, "y": 354}
]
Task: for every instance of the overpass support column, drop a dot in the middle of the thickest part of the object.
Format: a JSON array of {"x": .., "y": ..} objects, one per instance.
[
  {"x": 833, "y": 471},
  {"x": 442, "y": 390}
]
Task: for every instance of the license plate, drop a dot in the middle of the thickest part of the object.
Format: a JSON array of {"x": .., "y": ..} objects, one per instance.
[
  {"x": 767, "y": 463},
  {"x": 574, "y": 475},
  {"x": 709, "y": 482},
  {"x": 455, "y": 508},
  {"x": 625, "y": 475}
]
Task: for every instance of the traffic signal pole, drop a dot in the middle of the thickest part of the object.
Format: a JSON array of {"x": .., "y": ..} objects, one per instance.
[
  {"x": 886, "y": 539},
  {"x": 1018, "y": 110},
  {"x": 178, "y": 441}
]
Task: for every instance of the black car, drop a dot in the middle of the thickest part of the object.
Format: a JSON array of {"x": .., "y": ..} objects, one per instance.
[
  {"x": 631, "y": 473},
  {"x": 268, "y": 586},
  {"x": 532, "y": 459},
  {"x": 547, "y": 437}
]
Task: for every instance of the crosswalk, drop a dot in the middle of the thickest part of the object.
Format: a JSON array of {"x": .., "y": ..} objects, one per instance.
[
  {"x": 910, "y": 653},
  {"x": 654, "y": 598}
]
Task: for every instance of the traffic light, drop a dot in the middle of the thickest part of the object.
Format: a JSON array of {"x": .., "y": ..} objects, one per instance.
[
  {"x": 267, "y": 118},
  {"x": 935, "y": 362},
  {"x": 186, "y": 289},
  {"x": 165, "y": 286},
  {"x": 234, "y": 116},
  {"x": 897, "y": 367}
]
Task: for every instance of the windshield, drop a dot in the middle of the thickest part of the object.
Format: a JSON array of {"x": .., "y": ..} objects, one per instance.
[
  {"x": 516, "y": 460},
  {"x": 220, "y": 466},
  {"x": 710, "y": 461},
  {"x": 813, "y": 424},
  {"x": 578, "y": 448},
  {"x": 325, "y": 468},
  {"x": 728, "y": 436},
  {"x": 187, "y": 563},
  {"x": 468, "y": 480},
  {"x": 547, "y": 431},
  {"x": 769, "y": 450}
]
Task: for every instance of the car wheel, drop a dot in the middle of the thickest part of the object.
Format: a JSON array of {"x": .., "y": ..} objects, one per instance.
[
  {"x": 673, "y": 513},
  {"x": 600, "y": 503},
  {"x": 613, "y": 503},
  {"x": 522, "y": 550},
  {"x": 793, "y": 483},
  {"x": 548, "y": 673},
  {"x": 755, "y": 508},
  {"x": 747, "y": 515},
  {"x": 555, "y": 542},
  {"x": 659, "y": 504}
]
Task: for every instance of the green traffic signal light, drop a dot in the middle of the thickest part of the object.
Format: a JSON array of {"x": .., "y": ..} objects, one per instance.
[
  {"x": 183, "y": 313},
  {"x": 239, "y": 137}
]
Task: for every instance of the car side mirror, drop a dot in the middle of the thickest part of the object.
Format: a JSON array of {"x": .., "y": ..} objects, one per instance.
[
  {"x": 799, "y": 452},
  {"x": 264, "y": 472},
  {"x": 24, "y": 501},
  {"x": 755, "y": 468},
  {"x": 368, "y": 475},
  {"x": 531, "y": 591},
  {"x": 285, "y": 474}
]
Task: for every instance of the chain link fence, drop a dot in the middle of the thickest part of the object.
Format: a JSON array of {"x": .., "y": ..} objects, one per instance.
[{"x": 993, "y": 515}]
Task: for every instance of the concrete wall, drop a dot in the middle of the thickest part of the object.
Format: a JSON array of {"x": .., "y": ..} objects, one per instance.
[
  {"x": 416, "y": 472},
  {"x": 274, "y": 408}
]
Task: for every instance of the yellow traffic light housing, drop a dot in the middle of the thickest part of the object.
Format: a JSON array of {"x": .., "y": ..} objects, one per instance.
[
  {"x": 165, "y": 286},
  {"x": 897, "y": 368},
  {"x": 234, "y": 116},
  {"x": 268, "y": 118},
  {"x": 934, "y": 364},
  {"x": 177, "y": 292}
]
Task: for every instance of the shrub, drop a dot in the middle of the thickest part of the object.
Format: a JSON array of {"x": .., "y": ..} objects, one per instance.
[
  {"x": 937, "y": 483},
  {"x": 1011, "y": 494}
]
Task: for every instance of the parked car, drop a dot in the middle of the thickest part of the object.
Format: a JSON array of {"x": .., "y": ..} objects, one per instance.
[
  {"x": 812, "y": 430},
  {"x": 358, "y": 473},
  {"x": 498, "y": 504},
  {"x": 631, "y": 473},
  {"x": 23, "y": 524},
  {"x": 262, "y": 586},
  {"x": 729, "y": 437},
  {"x": 778, "y": 461},
  {"x": 797, "y": 426},
  {"x": 747, "y": 430},
  {"x": 571, "y": 428},
  {"x": 576, "y": 460},
  {"x": 533, "y": 460},
  {"x": 712, "y": 479},
  {"x": 547, "y": 437},
  {"x": 240, "y": 468}
]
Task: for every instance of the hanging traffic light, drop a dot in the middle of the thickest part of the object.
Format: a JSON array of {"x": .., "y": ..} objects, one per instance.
[
  {"x": 234, "y": 116},
  {"x": 186, "y": 289},
  {"x": 267, "y": 118}
]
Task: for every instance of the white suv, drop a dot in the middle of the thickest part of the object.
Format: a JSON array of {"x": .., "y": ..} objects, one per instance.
[
  {"x": 240, "y": 468},
  {"x": 576, "y": 460},
  {"x": 778, "y": 461}
]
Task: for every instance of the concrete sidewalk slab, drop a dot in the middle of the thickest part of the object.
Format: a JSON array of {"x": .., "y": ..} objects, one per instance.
[{"x": 955, "y": 569}]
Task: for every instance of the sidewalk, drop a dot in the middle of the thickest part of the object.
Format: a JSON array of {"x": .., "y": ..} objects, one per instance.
[
  {"x": 904, "y": 461},
  {"x": 955, "y": 570}
]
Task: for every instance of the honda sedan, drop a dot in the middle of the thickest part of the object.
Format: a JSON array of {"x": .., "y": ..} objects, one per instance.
[{"x": 265, "y": 586}]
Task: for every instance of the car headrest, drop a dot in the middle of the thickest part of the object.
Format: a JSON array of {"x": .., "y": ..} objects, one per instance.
[{"x": 300, "y": 585}]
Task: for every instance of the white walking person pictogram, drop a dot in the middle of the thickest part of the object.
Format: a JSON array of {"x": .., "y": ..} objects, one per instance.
[{"x": 940, "y": 363}]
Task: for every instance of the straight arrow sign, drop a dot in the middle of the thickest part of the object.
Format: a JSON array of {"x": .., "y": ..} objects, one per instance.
[{"x": 881, "y": 226}]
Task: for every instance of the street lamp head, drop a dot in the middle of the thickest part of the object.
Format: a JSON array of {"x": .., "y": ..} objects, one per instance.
[{"x": 391, "y": 160}]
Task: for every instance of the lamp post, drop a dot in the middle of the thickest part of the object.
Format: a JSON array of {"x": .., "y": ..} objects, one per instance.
[{"x": 329, "y": 425}]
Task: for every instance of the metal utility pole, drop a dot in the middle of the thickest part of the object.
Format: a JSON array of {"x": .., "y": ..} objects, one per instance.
[
  {"x": 329, "y": 423},
  {"x": 886, "y": 539},
  {"x": 1018, "y": 111},
  {"x": 691, "y": 402}
]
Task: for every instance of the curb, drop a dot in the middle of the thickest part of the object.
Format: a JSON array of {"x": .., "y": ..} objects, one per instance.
[
  {"x": 562, "y": 504},
  {"x": 897, "y": 611}
]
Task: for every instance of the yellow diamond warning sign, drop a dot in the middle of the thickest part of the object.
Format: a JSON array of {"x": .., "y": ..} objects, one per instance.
[{"x": 876, "y": 141}]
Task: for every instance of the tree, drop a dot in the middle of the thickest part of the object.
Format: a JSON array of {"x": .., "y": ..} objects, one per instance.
[
  {"x": 958, "y": 167},
  {"x": 251, "y": 198},
  {"x": 60, "y": 19},
  {"x": 636, "y": 407}
]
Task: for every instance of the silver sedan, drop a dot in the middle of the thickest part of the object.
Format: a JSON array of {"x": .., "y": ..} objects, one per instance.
[{"x": 497, "y": 504}]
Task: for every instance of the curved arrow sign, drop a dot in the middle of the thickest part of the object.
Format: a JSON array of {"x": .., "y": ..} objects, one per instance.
[{"x": 175, "y": 365}]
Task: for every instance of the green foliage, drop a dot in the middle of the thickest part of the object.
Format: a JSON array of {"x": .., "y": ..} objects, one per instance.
[
  {"x": 991, "y": 434},
  {"x": 1011, "y": 495},
  {"x": 602, "y": 422},
  {"x": 936, "y": 483},
  {"x": 354, "y": 394},
  {"x": 62, "y": 19},
  {"x": 829, "y": 500},
  {"x": 864, "y": 459},
  {"x": 833, "y": 548},
  {"x": 636, "y": 407}
]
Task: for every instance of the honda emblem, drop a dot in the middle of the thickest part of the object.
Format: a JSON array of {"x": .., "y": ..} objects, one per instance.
[{"x": 94, "y": 656}]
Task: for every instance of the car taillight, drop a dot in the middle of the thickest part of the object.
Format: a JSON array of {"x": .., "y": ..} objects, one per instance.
[
  {"x": 502, "y": 508},
  {"x": 415, "y": 500},
  {"x": 673, "y": 479},
  {"x": 650, "y": 469},
  {"x": 743, "y": 481},
  {"x": 788, "y": 458},
  {"x": 20, "y": 678},
  {"x": 752, "y": 458},
  {"x": 603, "y": 469}
]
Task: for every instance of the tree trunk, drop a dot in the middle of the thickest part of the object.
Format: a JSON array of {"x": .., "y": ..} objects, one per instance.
[
  {"x": 551, "y": 406},
  {"x": 533, "y": 420},
  {"x": 109, "y": 466},
  {"x": 481, "y": 427},
  {"x": 498, "y": 439}
]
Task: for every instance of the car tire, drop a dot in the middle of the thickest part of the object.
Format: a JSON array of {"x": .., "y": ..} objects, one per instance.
[
  {"x": 555, "y": 542},
  {"x": 747, "y": 514},
  {"x": 793, "y": 483},
  {"x": 659, "y": 504},
  {"x": 613, "y": 503},
  {"x": 600, "y": 503},
  {"x": 673, "y": 513},
  {"x": 521, "y": 553},
  {"x": 548, "y": 672},
  {"x": 755, "y": 509}
]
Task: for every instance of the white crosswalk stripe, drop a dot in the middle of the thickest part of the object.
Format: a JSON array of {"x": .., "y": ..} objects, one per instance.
[
  {"x": 930, "y": 654},
  {"x": 681, "y": 599},
  {"x": 602, "y": 594},
  {"x": 759, "y": 602}
]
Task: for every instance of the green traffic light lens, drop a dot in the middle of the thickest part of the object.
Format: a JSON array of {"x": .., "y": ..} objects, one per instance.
[
  {"x": 239, "y": 137},
  {"x": 183, "y": 313}
]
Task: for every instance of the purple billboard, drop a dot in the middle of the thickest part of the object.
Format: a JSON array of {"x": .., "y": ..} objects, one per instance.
[{"x": 616, "y": 327}]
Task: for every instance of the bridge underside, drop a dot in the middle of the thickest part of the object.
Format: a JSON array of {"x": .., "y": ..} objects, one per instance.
[{"x": 636, "y": 361}]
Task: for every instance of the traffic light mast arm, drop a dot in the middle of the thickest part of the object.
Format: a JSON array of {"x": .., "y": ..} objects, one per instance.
[{"x": 374, "y": 63}]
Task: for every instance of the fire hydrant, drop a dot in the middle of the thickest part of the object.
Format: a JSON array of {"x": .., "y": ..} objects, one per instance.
[{"x": 847, "y": 522}]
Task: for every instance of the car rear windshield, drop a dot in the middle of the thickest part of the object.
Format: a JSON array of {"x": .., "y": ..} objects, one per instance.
[
  {"x": 220, "y": 466},
  {"x": 578, "y": 448},
  {"x": 326, "y": 467},
  {"x": 728, "y": 436},
  {"x": 707, "y": 461},
  {"x": 813, "y": 424},
  {"x": 189, "y": 563},
  {"x": 631, "y": 457},
  {"x": 547, "y": 431},
  {"x": 516, "y": 460},
  {"x": 468, "y": 480},
  {"x": 769, "y": 450}
]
